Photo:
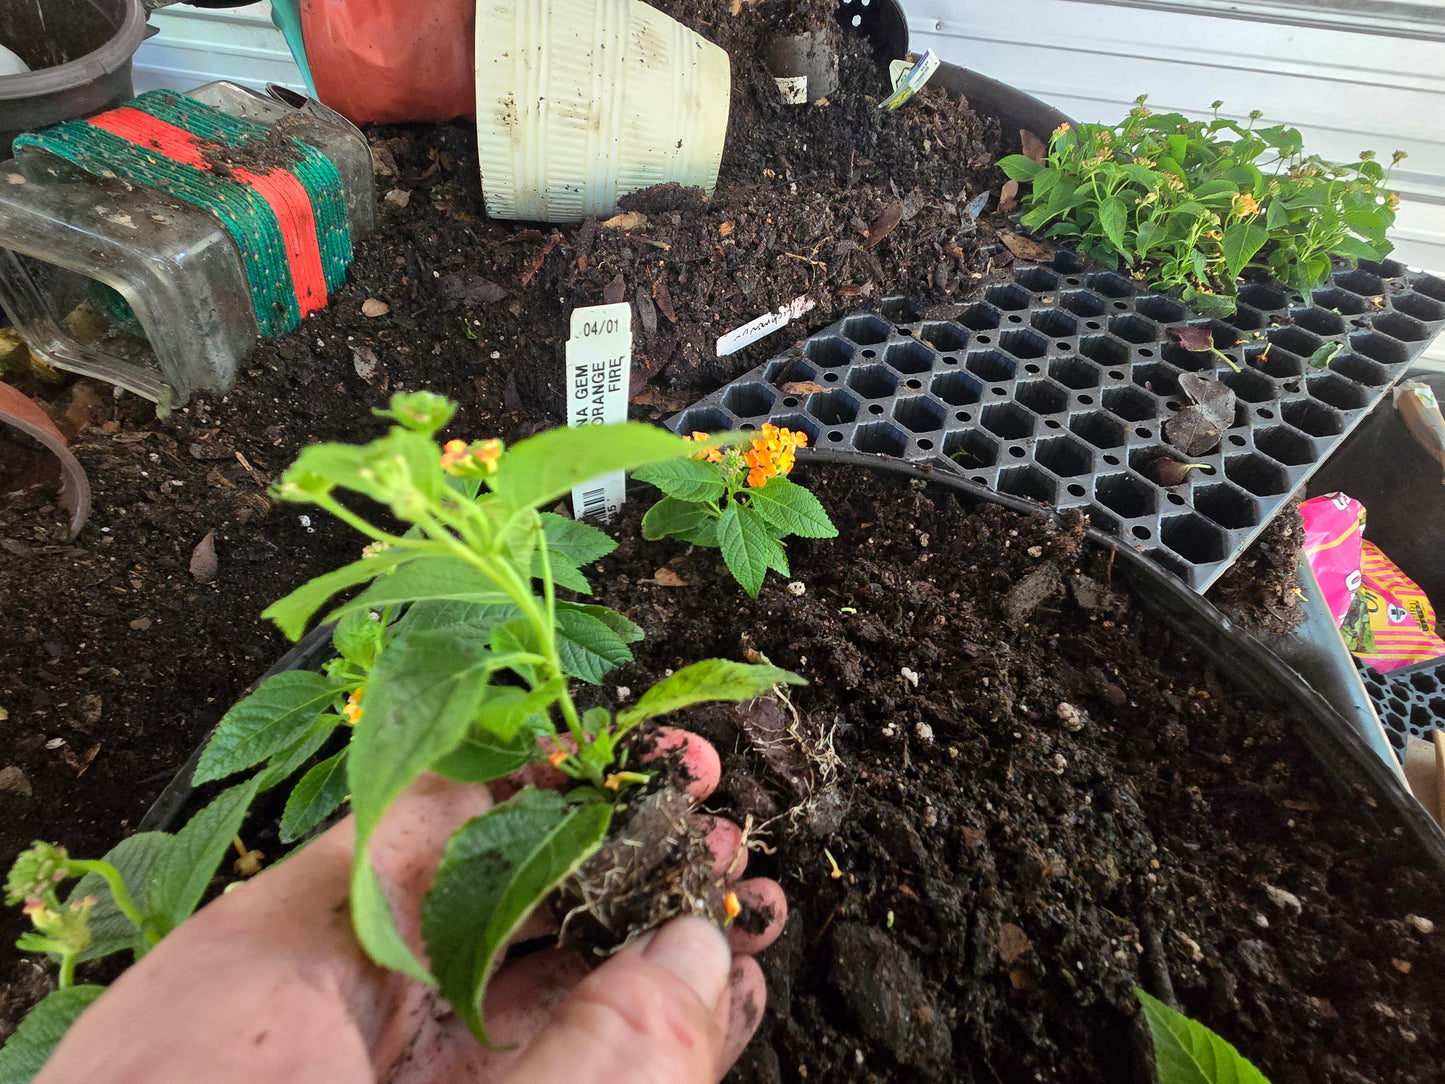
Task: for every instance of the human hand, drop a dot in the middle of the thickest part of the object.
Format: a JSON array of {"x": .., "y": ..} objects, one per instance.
[{"x": 268, "y": 982}]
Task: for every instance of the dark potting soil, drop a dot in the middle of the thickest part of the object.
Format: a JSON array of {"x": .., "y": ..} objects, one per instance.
[
  {"x": 123, "y": 647},
  {"x": 1037, "y": 798}
]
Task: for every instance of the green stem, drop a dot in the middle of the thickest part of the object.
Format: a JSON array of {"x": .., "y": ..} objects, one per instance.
[
  {"x": 67, "y": 969},
  {"x": 341, "y": 512},
  {"x": 116, "y": 883}
]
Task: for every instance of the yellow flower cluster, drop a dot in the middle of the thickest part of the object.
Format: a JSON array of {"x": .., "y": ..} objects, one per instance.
[
  {"x": 772, "y": 454},
  {"x": 351, "y": 710},
  {"x": 1245, "y": 205},
  {"x": 471, "y": 460}
]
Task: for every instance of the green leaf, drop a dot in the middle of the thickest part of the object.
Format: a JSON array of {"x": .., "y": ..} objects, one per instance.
[
  {"x": 1353, "y": 247},
  {"x": 627, "y": 631},
  {"x": 791, "y": 509},
  {"x": 1325, "y": 354},
  {"x": 543, "y": 468},
  {"x": 274, "y": 717},
  {"x": 1187, "y": 1052},
  {"x": 685, "y": 479},
  {"x": 674, "y": 517},
  {"x": 293, "y": 612},
  {"x": 588, "y": 648},
  {"x": 1044, "y": 180},
  {"x": 1018, "y": 168},
  {"x": 581, "y": 543},
  {"x": 422, "y": 616},
  {"x": 1370, "y": 224},
  {"x": 711, "y": 679},
  {"x": 427, "y": 578},
  {"x": 482, "y": 756},
  {"x": 1113, "y": 220},
  {"x": 564, "y": 573},
  {"x": 286, "y": 763},
  {"x": 422, "y": 696},
  {"x": 314, "y": 798},
  {"x": 1276, "y": 215},
  {"x": 1241, "y": 241},
  {"x": 495, "y": 871},
  {"x": 184, "y": 869},
  {"x": 27, "y": 1051},
  {"x": 110, "y": 931},
  {"x": 748, "y": 549},
  {"x": 357, "y": 638},
  {"x": 1146, "y": 236}
]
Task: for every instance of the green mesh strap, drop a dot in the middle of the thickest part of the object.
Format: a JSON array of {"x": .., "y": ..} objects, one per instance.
[{"x": 240, "y": 209}]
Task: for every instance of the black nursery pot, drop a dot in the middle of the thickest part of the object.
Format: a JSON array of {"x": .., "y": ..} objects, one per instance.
[{"x": 1347, "y": 759}]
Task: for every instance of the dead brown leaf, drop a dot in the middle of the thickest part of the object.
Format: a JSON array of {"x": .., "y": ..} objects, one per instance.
[
  {"x": 1013, "y": 943},
  {"x": 666, "y": 577},
  {"x": 886, "y": 222},
  {"x": 373, "y": 307},
  {"x": 1008, "y": 197},
  {"x": 725, "y": 229},
  {"x": 663, "y": 296},
  {"x": 1033, "y": 146},
  {"x": 628, "y": 220},
  {"x": 802, "y": 387},
  {"x": 1026, "y": 248},
  {"x": 365, "y": 362},
  {"x": 614, "y": 291},
  {"x": 204, "y": 562}
]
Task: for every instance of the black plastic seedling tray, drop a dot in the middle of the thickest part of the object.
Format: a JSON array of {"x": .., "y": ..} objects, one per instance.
[
  {"x": 1054, "y": 384},
  {"x": 1410, "y": 701}
]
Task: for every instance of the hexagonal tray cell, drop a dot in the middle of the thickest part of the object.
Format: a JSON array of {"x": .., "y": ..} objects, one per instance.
[
  {"x": 1064, "y": 414},
  {"x": 828, "y": 352},
  {"x": 945, "y": 336},
  {"x": 909, "y": 357},
  {"x": 920, "y": 413},
  {"x": 971, "y": 449},
  {"x": 832, "y": 407},
  {"x": 1338, "y": 392},
  {"x": 1083, "y": 303},
  {"x": 1008, "y": 296},
  {"x": 956, "y": 389},
  {"x": 1106, "y": 350},
  {"x": 1041, "y": 396},
  {"x": 1410, "y": 701},
  {"x": 1065, "y": 456},
  {"x": 1127, "y": 496},
  {"x": 899, "y": 310},
  {"x": 883, "y": 437},
  {"x": 1008, "y": 420},
  {"x": 1023, "y": 343},
  {"x": 1028, "y": 482},
  {"x": 1361, "y": 370},
  {"x": 1231, "y": 508},
  {"x": 1076, "y": 373},
  {"x": 1312, "y": 417},
  {"x": 1132, "y": 404},
  {"x": 1318, "y": 320},
  {"x": 873, "y": 381},
  {"x": 1198, "y": 540},
  {"x": 1258, "y": 475},
  {"x": 1134, "y": 329},
  {"x": 799, "y": 423},
  {"x": 865, "y": 329},
  {"x": 750, "y": 400},
  {"x": 1285, "y": 445},
  {"x": 1038, "y": 279},
  {"x": 1100, "y": 430},
  {"x": 991, "y": 365}
]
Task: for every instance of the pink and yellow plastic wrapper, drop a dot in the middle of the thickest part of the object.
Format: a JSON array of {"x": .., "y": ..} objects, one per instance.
[{"x": 1386, "y": 620}]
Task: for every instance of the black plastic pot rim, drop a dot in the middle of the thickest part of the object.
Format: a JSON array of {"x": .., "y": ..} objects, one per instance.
[
  {"x": 1236, "y": 651},
  {"x": 110, "y": 57}
]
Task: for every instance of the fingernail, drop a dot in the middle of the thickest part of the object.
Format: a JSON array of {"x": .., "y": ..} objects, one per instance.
[{"x": 695, "y": 951}]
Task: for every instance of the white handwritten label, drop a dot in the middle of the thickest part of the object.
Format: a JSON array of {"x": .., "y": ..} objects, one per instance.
[
  {"x": 793, "y": 89},
  {"x": 599, "y": 366},
  {"x": 763, "y": 326}
]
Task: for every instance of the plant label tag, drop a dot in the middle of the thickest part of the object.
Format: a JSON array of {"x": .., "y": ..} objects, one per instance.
[
  {"x": 793, "y": 89},
  {"x": 911, "y": 81},
  {"x": 599, "y": 367},
  {"x": 763, "y": 326}
]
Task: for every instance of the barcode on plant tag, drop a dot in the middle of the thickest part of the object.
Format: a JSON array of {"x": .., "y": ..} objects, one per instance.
[{"x": 599, "y": 368}]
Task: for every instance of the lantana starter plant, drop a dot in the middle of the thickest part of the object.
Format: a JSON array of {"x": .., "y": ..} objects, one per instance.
[
  {"x": 456, "y": 657},
  {"x": 1188, "y": 204},
  {"x": 738, "y": 499}
]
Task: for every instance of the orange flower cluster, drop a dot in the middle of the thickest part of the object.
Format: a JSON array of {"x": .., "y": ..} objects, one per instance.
[
  {"x": 772, "y": 454},
  {"x": 351, "y": 710},
  {"x": 1245, "y": 205},
  {"x": 712, "y": 455},
  {"x": 471, "y": 460}
]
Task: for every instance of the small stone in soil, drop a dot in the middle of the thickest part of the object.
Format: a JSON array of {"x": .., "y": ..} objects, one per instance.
[{"x": 13, "y": 781}]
